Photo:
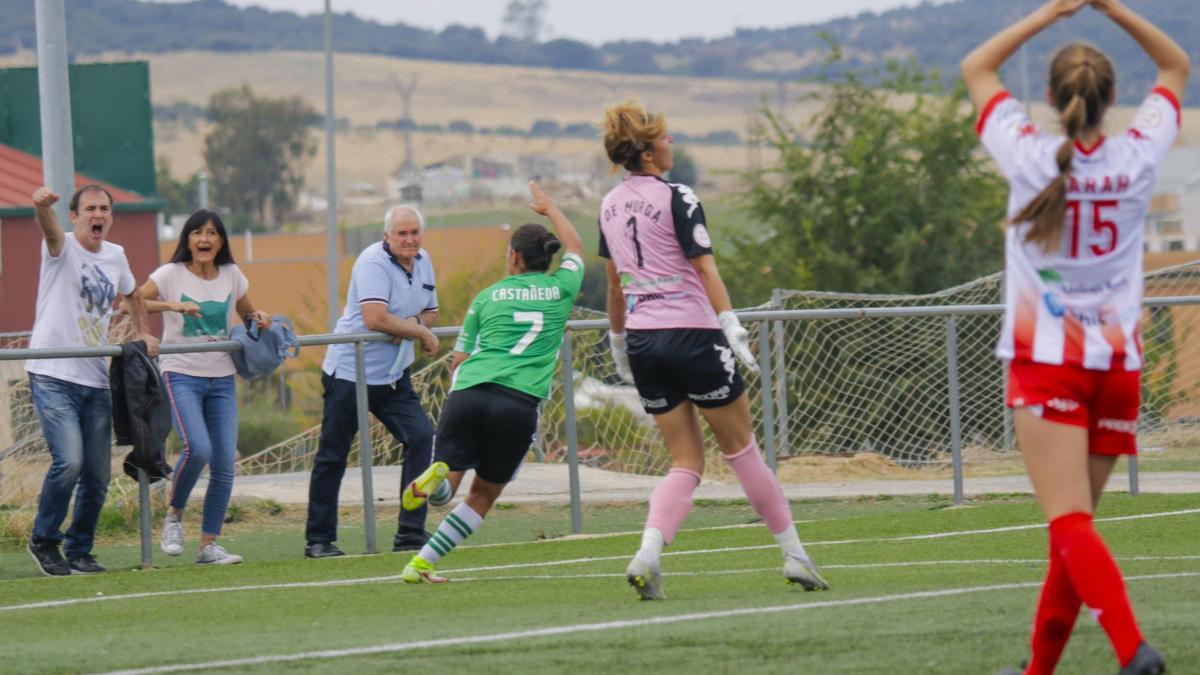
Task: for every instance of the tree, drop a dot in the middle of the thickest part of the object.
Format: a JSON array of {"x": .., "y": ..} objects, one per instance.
[
  {"x": 180, "y": 196},
  {"x": 887, "y": 194},
  {"x": 258, "y": 150},
  {"x": 684, "y": 169},
  {"x": 524, "y": 20}
]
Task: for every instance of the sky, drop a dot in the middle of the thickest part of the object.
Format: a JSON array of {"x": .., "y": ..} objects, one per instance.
[{"x": 657, "y": 20}]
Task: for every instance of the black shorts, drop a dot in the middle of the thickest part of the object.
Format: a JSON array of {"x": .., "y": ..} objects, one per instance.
[
  {"x": 674, "y": 365},
  {"x": 489, "y": 428}
]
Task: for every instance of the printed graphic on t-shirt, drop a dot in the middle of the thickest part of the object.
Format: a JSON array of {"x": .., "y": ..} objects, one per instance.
[
  {"x": 212, "y": 320},
  {"x": 96, "y": 296}
]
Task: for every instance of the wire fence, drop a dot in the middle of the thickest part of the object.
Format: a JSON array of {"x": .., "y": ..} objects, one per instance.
[{"x": 844, "y": 374}]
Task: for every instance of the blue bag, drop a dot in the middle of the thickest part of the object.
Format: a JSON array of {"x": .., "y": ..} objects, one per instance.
[{"x": 263, "y": 351}]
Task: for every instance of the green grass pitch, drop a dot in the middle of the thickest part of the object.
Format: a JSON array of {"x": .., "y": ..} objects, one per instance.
[{"x": 959, "y": 601}]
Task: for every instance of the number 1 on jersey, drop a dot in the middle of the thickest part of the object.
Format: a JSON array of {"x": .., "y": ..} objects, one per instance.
[{"x": 536, "y": 318}]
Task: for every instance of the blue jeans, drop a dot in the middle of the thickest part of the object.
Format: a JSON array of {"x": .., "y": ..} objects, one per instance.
[
  {"x": 77, "y": 423},
  {"x": 204, "y": 411}
]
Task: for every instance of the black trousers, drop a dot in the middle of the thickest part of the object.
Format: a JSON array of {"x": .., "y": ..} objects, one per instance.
[{"x": 399, "y": 409}]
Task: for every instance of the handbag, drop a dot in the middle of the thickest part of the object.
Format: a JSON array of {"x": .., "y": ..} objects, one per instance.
[{"x": 263, "y": 351}]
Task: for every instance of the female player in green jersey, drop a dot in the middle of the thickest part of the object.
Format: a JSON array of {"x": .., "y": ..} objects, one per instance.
[{"x": 503, "y": 363}]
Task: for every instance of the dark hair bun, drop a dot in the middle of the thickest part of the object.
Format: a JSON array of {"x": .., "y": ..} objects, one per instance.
[{"x": 551, "y": 245}]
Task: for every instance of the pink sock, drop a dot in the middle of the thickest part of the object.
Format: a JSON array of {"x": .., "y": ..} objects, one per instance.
[
  {"x": 761, "y": 487},
  {"x": 671, "y": 502}
]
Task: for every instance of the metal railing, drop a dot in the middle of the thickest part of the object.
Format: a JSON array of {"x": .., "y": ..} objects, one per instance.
[{"x": 771, "y": 389}]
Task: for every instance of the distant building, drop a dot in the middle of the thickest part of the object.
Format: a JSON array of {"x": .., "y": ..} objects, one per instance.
[{"x": 1173, "y": 221}]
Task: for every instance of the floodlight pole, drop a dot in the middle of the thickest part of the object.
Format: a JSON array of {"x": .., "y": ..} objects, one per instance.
[
  {"x": 331, "y": 247},
  {"x": 54, "y": 92}
]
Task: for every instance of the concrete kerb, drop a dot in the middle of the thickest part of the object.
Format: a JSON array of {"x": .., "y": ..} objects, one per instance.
[{"x": 548, "y": 484}]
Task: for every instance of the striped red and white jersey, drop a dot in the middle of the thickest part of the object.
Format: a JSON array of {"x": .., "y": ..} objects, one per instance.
[{"x": 1079, "y": 305}]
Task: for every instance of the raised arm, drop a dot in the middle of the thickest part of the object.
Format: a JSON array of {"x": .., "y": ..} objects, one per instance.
[
  {"x": 1172, "y": 61},
  {"x": 544, "y": 205},
  {"x": 43, "y": 199},
  {"x": 981, "y": 68}
]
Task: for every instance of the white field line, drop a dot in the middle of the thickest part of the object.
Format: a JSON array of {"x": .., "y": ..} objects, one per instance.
[
  {"x": 548, "y": 563},
  {"x": 46, "y": 604},
  {"x": 599, "y": 626}
]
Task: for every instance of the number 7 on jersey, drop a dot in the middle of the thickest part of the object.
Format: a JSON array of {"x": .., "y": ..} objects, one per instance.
[{"x": 536, "y": 318}]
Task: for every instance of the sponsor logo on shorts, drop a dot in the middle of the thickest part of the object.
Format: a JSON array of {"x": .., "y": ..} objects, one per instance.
[
  {"x": 715, "y": 395},
  {"x": 726, "y": 356},
  {"x": 1120, "y": 426},
  {"x": 653, "y": 402},
  {"x": 1063, "y": 404}
]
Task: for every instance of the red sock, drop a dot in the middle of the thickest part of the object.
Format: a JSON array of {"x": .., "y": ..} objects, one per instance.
[
  {"x": 1056, "y": 613},
  {"x": 1097, "y": 580}
]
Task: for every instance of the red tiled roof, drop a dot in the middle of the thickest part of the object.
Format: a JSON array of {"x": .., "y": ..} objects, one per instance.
[{"x": 21, "y": 174}]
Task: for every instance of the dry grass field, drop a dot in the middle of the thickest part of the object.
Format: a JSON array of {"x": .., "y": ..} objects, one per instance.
[{"x": 484, "y": 95}]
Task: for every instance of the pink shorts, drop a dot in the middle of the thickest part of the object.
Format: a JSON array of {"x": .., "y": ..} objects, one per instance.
[{"x": 1103, "y": 402}]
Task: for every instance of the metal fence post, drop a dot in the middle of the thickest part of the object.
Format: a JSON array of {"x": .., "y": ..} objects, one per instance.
[
  {"x": 568, "y": 385},
  {"x": 783, "y": 435},
  {"x": 364, "y": 443},
  {"x": 144, "y": 509},
  {"x": 768, "y": 399},
  {"x": 1133, "y": 475},
  {"x": 955, "y": 421}
]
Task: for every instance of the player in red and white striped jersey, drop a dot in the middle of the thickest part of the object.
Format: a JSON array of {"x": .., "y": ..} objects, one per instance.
[{"x": 1073, "y": 291}]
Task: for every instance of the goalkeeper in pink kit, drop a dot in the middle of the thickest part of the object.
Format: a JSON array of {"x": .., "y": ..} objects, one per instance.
[{"x": 675, "y": 336}]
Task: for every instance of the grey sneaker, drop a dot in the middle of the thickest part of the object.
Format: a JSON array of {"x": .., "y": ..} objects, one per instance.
[
  {"x": 172, "y": 537},
  {"x": 1146, "y": 661},
  {"x": 215, "y": 555},
  {"x": 645, "y": 579},
  {"x": 800, "y": 570}
]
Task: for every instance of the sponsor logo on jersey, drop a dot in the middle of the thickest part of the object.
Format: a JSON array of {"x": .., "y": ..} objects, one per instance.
[
  {"x": 629, "y": 281},
  {"x": 1054, "y": 306},
  {"x": 653, "y": 402},
  {"x": 1148, "y": 118},
  {"x": 688, "y": 197},
  {"x": 1063, "y": 404},
  {"x": 726, "y": 356},
  {"x": 700, "y": 234},
  {"x": 632, "y": 301},
  {"x": 1120, "y": 426},
  {"x": 714, "y": 395}
]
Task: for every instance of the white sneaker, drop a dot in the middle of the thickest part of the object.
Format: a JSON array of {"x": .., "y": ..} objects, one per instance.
[
  {"x": 645, "y": 579},
  {"x": 172, "y": 537},
  {"x": 803, "y": 571},
  {"x": 215, "y": 555}
]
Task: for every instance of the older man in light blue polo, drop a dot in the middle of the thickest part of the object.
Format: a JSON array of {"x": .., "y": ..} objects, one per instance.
[{"x": 392, "y": 290}]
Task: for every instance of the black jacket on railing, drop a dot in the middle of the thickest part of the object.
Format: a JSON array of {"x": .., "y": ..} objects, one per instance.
[{"x": 141, "y": 411}]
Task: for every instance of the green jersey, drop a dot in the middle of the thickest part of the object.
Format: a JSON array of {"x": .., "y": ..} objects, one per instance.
[{"x": 514, "y": 329}]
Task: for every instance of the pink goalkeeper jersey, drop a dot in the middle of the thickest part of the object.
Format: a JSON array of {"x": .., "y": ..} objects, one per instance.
[
  {"x": 1080, "y": 305},
  {"x": 651, "y": 229}
]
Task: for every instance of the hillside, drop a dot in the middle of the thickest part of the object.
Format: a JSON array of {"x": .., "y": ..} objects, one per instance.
[{"x": 936, "y": 35}]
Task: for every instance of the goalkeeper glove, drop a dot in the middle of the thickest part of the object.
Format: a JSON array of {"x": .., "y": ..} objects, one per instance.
[
  {"x": 620, "y": 356},
  {"x": 739, "y": 339}
]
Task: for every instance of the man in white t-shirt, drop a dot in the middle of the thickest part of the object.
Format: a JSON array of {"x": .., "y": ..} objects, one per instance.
[{"x": 81, "y": 275}]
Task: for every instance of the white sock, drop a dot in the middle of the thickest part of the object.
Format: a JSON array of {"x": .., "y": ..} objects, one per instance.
[
  {"x": 789, "y": 541},
  {"x": 652, "y": 546},
  {"x": 458, "y": 525}
]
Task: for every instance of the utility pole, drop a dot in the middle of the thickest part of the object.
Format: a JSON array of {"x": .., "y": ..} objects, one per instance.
[
  {"x": 406, "y": 93},
  {"x": 332, "y": 259},
  {"x": 54, "y": 92}
]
